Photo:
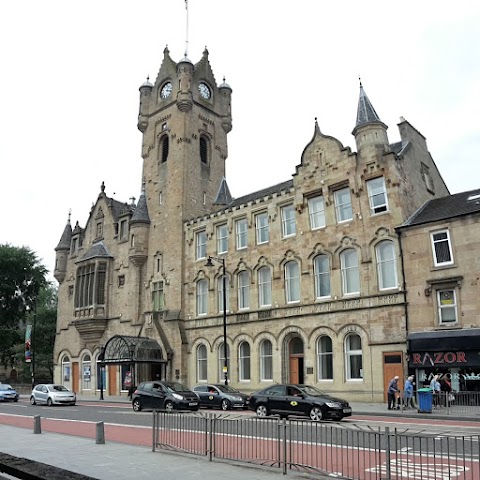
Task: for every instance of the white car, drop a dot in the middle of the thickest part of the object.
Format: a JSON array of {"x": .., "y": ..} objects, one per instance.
[{"x": 52, "y": 394}]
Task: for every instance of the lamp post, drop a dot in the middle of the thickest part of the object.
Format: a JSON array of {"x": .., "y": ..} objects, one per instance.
[
  {"x": 101, "y": 358},
  {"x": 224, "y": 281},
  {"x": 33, "y": 346}
]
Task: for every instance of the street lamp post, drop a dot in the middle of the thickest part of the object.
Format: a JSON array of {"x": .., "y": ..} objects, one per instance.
[
  {"x": 33, "y": 345},
  {"x": 224, "y": 281},
  {"x": 101, "y": 358},
  {"x": 131, "y": 352}
]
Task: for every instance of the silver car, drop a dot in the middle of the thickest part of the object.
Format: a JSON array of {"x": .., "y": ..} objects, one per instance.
[{"x": 52, "y": 394}]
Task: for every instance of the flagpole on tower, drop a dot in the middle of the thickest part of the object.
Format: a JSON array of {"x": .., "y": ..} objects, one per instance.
[{"x": 186, "y": 33}]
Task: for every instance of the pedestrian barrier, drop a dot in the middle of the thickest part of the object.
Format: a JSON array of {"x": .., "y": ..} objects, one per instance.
[{"x": 343, "y": 450}]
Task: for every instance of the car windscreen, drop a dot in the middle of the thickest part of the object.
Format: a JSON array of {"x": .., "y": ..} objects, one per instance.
[
  {"x": 4, "y": 387},
  {"x": 227, "y": 389},
  {"x": 59, "y": 388},
  {"x": 176, "y": 387},
  {"x": 312, "y": 391}
]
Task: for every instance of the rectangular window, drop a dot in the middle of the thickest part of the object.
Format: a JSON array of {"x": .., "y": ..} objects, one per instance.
[
  {"x": 241, "y": 233},
  {"x": 377, "y": 195},
  {"x": 202, "y": 297},
  {"x": 316, "y": 210},
  {"x": 99, "y": 230},
  {"x": 265, "y": 287},
  {"x": 123, "y": 230},
  {"x": 200, "y": 245},
  {"x": 343, "y": 205},
  {"x": 447, "y": 306},
  {"x": 90, "y": 285},
  {"x": 350, "y": 272},
  {"x": 262, "y": 228},
  {"x": 288, "y": 221},
  {"x": 222, "y": 239},
  {"x": 442, "y": 249},
  {"x": 158, "y": 299}
]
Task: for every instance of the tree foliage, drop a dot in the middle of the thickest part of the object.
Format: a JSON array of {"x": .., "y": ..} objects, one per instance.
[{"x": 22, "y": 276}]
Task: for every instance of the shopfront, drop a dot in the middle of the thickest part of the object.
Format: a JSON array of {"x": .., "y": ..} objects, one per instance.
[{"x": 452, "y": 354}]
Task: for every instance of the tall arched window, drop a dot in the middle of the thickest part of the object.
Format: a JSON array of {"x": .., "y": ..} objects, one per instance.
[
  {"x": 266, "y": 360},
  {"x": 66, "y": 369},
  {"x": 244, "y": 361},
  {"x": 164, "y": 146},
  {"x": 321, "y": 267},
  {"x": 350, "y": 272},
  {"x": 202, "y": 297},
  {"x": 243, "y": 290},
  {"x": 353, "y": 357},
  {"x": 204, "y": 149},
  {"x": 86, "y": 372},
  {"x": 386, "y": 265},
  {"x": 221, "y": 362},
  {"x": 325, "y": 358},
  {"x": 292, "y": 282},
  {"x": 202, "y": 363},
  {"x": 265, "y": 287}
]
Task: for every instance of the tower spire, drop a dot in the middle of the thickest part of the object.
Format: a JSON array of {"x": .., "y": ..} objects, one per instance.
[
  {"x": 365, "y": 112},
  {"x": 186, "y": 29}
]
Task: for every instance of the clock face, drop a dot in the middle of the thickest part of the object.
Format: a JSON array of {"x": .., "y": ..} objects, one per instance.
[
  {"x": 166, "y": 90},
  {"x": 204, "y": 90}
]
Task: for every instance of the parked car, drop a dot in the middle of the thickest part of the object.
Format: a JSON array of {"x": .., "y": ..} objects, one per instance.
[
  {"x": 306, "y": 400},
  {"x": 8, "y": 393},
  {"x": 52, "y": 394},
  {"x": 220, "y": 396},
  {"x": 164, "y": 396}
]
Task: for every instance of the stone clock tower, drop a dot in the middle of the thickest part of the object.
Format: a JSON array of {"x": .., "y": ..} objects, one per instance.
[{"x": 184, "y": 118}]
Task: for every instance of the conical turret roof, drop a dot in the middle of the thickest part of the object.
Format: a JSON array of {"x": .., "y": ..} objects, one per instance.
[
  {"x": 224, "y": 196},
  {"x": 365, "y": 112},
  {"x": 66, "y": 239}
]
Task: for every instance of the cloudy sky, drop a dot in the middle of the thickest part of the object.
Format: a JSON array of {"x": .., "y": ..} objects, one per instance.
[{"x": 71, "y": 72}]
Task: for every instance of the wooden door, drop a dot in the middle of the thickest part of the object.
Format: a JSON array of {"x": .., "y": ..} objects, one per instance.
[
  {"x": 112, "y": 380},
  {"x": 392, "y": 366},
  {"x": 75, "y": 376},
  {"x": 294, "y": 370}
]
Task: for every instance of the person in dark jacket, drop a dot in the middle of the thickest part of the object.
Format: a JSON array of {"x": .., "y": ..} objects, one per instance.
[{"x": 392, "y": 391}]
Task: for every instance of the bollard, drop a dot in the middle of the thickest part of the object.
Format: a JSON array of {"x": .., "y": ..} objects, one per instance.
[
  {"x": 37, "y": 426},
  {"x": 100, "y": 436}
]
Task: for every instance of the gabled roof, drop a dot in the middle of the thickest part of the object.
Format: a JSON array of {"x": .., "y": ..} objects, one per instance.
[{"x": 452, "y": 206}]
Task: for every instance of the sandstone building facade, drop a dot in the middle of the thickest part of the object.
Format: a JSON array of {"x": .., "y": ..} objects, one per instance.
[{"x": 314, "y": 279}]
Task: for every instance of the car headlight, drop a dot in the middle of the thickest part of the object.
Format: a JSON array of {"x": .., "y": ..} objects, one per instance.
[
  {"x": 238, "y": 399},
  {"x": 333, "y": 404},
  {"x": 176, "y": 396}
]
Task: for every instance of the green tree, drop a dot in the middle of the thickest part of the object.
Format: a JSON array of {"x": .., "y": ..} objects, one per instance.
[{"x": 22, "y": 276}]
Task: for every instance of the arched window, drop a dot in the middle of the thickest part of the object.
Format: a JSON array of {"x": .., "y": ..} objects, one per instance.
[
  {"x": 353, "y": 357},
  {"x": 321, "y": 267},
  {"x": 164, "y": 146},
  {"x": 204, "y": 149},
  {"x": 86, "y": 372},
  {"x": 66, "y": 369},
  {"x": 292, "y": 282},
  {"x": 265, "y": 287},
  {"x": 350, "y": 273},
  {"x": 221, "y": 362},
  {"x": 266, "y": 360},
  {"x": 325, "y": 358},
  {"x": 202, "y": 363},
  {"x": 202, "y": 297},
  {"x": 244, "y": 361},
  {"x": 220, "y": 293},
  {"x": 386, "y": 265},
  {"x": 243, "y": 290}
]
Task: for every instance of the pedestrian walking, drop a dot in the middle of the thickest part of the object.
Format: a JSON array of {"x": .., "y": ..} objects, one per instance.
[
  {"x": 392, "y": 391},
  {"x": 408, "y": 392},
  {"x": 436, "y": 391}
]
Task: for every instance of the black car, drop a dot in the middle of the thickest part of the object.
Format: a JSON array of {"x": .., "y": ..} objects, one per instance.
[
  {"x": 287, "y": 400},
  {"x": 167, "y": 396},
  {"x": 220, "y": 396}
]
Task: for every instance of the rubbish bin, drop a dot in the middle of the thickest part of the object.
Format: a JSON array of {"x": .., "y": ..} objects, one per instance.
[{"x": 425, "y": 400}]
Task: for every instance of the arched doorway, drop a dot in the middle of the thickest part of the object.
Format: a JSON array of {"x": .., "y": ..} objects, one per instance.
[{"x": 296, "y": 360}]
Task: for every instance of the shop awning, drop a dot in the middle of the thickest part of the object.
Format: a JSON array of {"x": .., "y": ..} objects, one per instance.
[{"x": 445, "y": 340}]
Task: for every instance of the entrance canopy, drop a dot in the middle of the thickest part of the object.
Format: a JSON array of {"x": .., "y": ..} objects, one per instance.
[{"x": 122, "y": 349}]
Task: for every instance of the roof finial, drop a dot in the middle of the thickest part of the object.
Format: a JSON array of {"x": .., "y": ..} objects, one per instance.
[
  {"x": 102, "y": 187},
  {"x": 69, "y": 215},
  {"x": 360, "y": 80}
]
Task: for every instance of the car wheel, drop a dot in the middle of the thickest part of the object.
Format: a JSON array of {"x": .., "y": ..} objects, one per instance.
[
  {"x": 32, "y": 400},
  {"x": 225, "y": 404},
  {"x": 262, "y": 410},
  {"x": 16, "y": 400},
  {"x": 49, "y": 402},
  {"x": 137, "y": 406},
  {"x": 169, "y": 406},
  {"x": 316, "y": 414}
]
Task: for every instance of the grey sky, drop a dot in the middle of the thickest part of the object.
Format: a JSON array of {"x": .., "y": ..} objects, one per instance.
[{"x": 71, "y": 72}]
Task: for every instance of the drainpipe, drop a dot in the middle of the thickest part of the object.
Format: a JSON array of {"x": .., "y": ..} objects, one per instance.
[{"x": 404, "y": 288}]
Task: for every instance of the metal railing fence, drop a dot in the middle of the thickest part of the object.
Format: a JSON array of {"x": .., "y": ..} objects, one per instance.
[{"x": 348, "y": 451}]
